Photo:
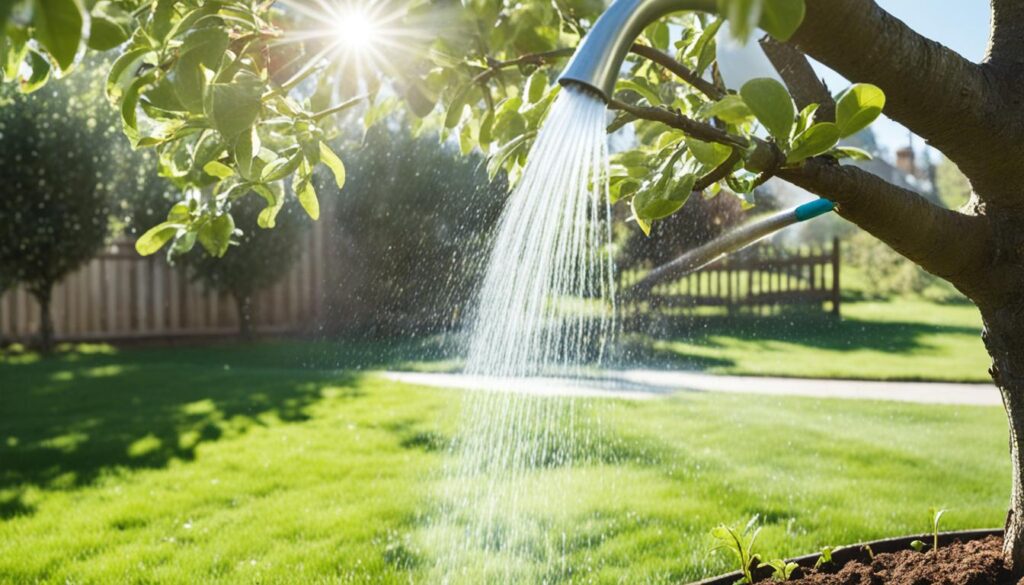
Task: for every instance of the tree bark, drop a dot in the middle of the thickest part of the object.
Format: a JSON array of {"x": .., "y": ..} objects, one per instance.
[
  {"x": 243, "y": 304},
  {"x": 43, "y": 296},
  {"x": 959, "y": 107},
  {"x": 1004, "y": 339}
]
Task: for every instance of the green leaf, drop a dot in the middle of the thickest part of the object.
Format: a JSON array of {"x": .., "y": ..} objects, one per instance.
[
  {"x": 456, "y": 108},
  {"x": 184, "y": 243},
  {"x": 129, "y": 104},
  {"x": 645, "y": 225},
  {"x": 180, "y": 212},
  {"x": 201, "y": 50},
  {"x": 13, "y": 49},
  {"x": 218, "y": 234},
  {"x": 772, "y": 106},
  {"x": 39, "y": 73},
  {"x": 640, "y": 86},
  {"x": 122, "y": 72},
  {"x": 805, "y": 118},
  {"x": 816, "y": 140},
  {"x": 307, "y": 198},
  {"x": 705, "y": 48},
  {"x": 218, "y": 169},
  {"x": 658, "y": 34},
  {"x": 109, "y": 26},
  {"x": 233, "y": 107},
  {"x": 917, "y": 545},
  {"x": 781, "y": 18},
  {"x": 155, "y": 238},
  {"x": 273, "y": 194},
  {"x": 731, "y": 109},
  {"x": 280, "y": 168},
  {"x": 857, "y": 108},
  {"x": 660, "y": 201},
  {"x": 535, "y": 86},
  {"x": 58, "y": 28},
  {"x": 709, "y": 154},
  {"x": 246, "y": 147},
  {"x": 743, "y": 16},
  {"x": 334, "y": 163},
  {"x": 850, "y": 152}
]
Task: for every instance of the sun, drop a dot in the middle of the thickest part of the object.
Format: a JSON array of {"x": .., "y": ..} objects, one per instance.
[
  {"x": 362, "y": 38},
  {"x": 356, "y": 29}
]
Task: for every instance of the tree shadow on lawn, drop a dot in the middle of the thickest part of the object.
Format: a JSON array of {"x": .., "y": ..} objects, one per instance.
[
  {"x": 814, "y": 331},
  {"x": 66, "y": 420}
]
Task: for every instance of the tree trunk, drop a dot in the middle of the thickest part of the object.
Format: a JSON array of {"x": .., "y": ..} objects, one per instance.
[
  {"x": 1004, "y": 339},
  {"x": 244, "y": 305},
  {"x": 43, "y": 296}
]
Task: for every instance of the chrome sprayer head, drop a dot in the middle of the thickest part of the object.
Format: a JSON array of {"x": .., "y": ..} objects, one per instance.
[{"x": 598, "y": 59}]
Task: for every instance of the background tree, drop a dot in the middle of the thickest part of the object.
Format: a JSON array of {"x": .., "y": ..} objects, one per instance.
[
  {"x": 260, "y": 260},
  {"x": 56, "y": 191},
  {"x": 413, "y": 226}
]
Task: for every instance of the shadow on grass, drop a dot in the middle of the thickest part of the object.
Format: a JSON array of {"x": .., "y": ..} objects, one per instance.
[
  {"x": 818, "y": 331},
  {"x": 68, "y": 419}
]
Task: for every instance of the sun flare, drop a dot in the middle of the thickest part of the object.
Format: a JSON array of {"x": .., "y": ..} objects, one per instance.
[{"x": 356, "y": 29}]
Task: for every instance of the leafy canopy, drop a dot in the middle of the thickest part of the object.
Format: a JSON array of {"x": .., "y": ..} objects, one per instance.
[{"x": 240, "y": 98}]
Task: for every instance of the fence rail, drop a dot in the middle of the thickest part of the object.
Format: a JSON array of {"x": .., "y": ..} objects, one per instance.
[
  {"x": 120, "y": 295},
  {"x": 763, "y": 279}
]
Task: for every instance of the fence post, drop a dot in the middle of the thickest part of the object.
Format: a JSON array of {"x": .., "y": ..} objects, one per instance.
[{"x": 836, "y": 294}]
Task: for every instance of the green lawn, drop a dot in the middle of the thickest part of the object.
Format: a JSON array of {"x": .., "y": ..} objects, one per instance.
[
  {"x": 901, "y": 339},
  {"x": 285, "y": 463}
]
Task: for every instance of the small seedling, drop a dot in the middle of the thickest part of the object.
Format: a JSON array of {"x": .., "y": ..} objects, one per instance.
[
  {"x": 871, "y": 553},
  {"x": 741, "y": 544},
  {"x": 936, "y": 518},
  {"x": 936, "y": 514},
  {"x": 781, "y": 570},
  {"x": 825, "y": 558}
]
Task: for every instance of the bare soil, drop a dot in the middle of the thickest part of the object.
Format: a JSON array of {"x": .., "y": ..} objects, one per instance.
[{"x": 975, "y": 562}]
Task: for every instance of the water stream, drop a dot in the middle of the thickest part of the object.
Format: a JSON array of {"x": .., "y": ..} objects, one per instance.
[{"x": 545, "y": 308}]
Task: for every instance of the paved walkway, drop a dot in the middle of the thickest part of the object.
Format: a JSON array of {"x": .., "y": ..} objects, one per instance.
[{"x": 648, "y": 384}]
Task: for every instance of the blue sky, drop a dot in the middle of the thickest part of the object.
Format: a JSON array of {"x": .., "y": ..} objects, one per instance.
[{"x": 960, "y": 24}]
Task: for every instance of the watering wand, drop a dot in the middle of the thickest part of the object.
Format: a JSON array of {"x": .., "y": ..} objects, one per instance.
[{"x": 730, "y": 242}]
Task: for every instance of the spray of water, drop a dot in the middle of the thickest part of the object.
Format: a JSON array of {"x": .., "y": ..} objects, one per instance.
[
  {"x": 545, "y": 308},
  {"x": 547, "y": 256}
]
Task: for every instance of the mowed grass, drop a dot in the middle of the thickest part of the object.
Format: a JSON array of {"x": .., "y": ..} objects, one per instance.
[
  {"x": 899, "y": 339},
  {"x": 293, "y": 463}
]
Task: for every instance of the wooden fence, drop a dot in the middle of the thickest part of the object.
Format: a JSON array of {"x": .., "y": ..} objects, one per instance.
[
  {"x": 762, "y": 279},
  {"x": 120, "y": 295}
]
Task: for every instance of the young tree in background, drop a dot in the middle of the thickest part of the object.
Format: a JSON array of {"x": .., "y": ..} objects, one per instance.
[
  {"x": 55, "y": 191},
  {"x": 262, "y": 258},
  {"x": 413, "y": 224}
]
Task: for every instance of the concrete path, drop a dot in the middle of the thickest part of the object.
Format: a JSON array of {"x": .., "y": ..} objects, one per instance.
[{"x": 648, "y": 384}]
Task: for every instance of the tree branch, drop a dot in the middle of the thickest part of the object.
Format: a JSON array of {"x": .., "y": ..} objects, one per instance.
[
  {"x": 1006, "y": 46},
  {"x": 529, "y": 59},
  {"x": 764, "y": 155},
  {"x": 691, "y": 127},
  {"x": 679, "y": 70},
  {"x": 944, "y": 98},
  {"x": 947, "y": 243},
  {"x": 718, "y": 173},
  {"x": 801, "y": 79}
]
